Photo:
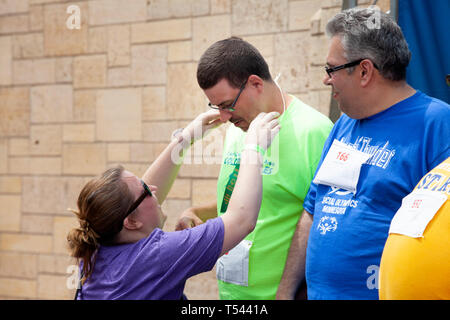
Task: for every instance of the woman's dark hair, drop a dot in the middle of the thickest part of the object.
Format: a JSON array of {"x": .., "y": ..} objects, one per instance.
[
  {"x": 233, "y": 59},
  {"x": 102, "y": 207}
]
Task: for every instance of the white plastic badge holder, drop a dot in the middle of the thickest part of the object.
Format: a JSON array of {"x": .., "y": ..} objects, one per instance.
[
  {"x": 417, "y": 210},
  {"x": 232, "y": 267},
  {"x": 341, "y": 167}
]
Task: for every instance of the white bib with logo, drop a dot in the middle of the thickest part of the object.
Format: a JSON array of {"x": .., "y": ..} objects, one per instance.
[{"x": 341, "y": 167}]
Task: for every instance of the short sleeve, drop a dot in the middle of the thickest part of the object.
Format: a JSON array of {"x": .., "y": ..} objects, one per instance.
[
  {"x": 310, "y": 198},
  {"x": 192, "y": 251},
  {"x": 438, "y": 148}
]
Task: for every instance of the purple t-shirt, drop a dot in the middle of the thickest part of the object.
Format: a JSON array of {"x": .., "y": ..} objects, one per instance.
[{"x": 156, "y": 267}]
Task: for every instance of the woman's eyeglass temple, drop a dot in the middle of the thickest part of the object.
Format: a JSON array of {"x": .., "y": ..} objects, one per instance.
[{"x": 146, "y": 192}]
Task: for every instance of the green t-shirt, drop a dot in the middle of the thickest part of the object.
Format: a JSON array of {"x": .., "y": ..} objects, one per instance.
[{"x": 255, "y": 268}]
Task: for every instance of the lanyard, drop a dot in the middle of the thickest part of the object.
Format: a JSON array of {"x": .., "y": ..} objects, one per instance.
[
  {"x": 229, "y": 188},
  {"x": 233, "y": 176}
]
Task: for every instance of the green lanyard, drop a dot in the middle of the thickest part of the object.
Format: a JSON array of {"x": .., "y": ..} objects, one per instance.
[{"x": 229, "y": 188}]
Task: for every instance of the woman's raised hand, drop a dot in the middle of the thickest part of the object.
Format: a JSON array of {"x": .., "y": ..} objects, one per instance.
[
  {"x": 263, "y": 129},
  {"x": 198, "y": 127}
]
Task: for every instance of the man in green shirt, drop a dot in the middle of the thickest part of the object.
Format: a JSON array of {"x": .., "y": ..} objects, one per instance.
[{"x": 236, "y": 79}]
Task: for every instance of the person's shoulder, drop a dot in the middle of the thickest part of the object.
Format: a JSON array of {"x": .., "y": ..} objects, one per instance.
[
  {"x": 439, "y": 106},
  {"x": 155, "y": 236},
  {"x": 436, "y": 111},
  {"x": 308, "y": 116},
  {"x": 303, "y": 108},
  {"x": 433, "y": 105},
  {"x": 210, "y": 226}
]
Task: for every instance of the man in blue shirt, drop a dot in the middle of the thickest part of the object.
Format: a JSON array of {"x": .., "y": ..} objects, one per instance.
[{"x": 389, "y": 136}]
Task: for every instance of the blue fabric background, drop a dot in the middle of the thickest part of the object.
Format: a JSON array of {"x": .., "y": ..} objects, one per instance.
[{"x": 426, "y": 26}]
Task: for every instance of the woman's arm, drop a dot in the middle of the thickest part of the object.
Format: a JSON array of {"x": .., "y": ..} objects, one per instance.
[
  {"x": 240, "y": 218},
  {"x": 164, "y": 169}
]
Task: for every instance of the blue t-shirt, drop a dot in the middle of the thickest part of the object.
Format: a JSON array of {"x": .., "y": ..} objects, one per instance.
[
  {"x": 156, "y": 267},
  {"x": 349, "y": 230}
]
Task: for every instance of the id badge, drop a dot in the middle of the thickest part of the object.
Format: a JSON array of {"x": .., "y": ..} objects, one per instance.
[
  {"x": 417, "y": 210},
  {"x": 341, "y": 167},
  {"x": 232, "y": 267}
]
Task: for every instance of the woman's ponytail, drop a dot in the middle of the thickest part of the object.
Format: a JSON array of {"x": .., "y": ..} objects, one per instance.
[{"x": 102, "y": 206}]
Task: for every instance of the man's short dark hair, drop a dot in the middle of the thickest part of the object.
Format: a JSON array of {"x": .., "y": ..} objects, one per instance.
[{"x": 233, "y": 59}]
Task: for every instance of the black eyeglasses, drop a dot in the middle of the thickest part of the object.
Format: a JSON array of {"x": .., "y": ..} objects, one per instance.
[
  {"x": 141, "y": 198},
  {"x": 230, "y": 107},
  {"x": 329, "y": 71}
]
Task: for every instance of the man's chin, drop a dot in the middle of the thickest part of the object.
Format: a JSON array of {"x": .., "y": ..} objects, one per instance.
[{"x": 241, "y": 125}]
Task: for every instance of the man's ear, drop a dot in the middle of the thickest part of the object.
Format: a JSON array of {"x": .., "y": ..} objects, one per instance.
[
  {"x": 367, "y": 72},
  {"x": 131, "y": 223},
  {"x": 256, "y": 82}
]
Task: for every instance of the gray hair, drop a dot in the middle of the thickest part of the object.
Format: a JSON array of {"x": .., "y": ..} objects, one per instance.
[{"x": 372, "y": 34}]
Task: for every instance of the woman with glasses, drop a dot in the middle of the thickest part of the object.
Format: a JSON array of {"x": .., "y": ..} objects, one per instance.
[{"x": 122, "y": 250}]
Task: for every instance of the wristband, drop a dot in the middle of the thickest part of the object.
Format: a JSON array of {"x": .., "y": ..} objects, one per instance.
[
  {"x": 255, "y": 147},
  {"x": 178, "y": 135}
]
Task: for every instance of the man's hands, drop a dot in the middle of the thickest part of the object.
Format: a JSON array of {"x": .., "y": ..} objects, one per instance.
[
  {"x": 197, "y": 215},
  {"x": 188, "y": 219}
]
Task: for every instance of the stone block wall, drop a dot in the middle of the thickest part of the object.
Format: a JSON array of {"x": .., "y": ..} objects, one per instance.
[{"x": 74, "y": 102}]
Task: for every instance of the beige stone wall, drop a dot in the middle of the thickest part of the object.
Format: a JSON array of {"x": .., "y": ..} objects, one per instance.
[{"x": 74, "y": 102}]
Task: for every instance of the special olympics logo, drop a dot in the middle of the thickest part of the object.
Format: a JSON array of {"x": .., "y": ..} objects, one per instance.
[{"x": 327, "y": 224}]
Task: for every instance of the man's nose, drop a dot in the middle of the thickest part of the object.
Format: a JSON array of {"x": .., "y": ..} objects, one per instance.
[
  {"x": 326, "y": 80},
  {"x": 225, "y": 115}
]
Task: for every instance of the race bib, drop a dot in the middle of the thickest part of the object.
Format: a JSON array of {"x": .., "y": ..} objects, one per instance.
[
  {"x": 341, "y": 167},
  {"x": 232, "y": 267},
  {"x": 417, "y": 210}
]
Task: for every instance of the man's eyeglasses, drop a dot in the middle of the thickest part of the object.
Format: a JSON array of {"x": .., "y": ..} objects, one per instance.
[
  {"x": 141, "y": 198},
  {"x": 229, "y": 107},
  {"x": 329, "y": 71}
]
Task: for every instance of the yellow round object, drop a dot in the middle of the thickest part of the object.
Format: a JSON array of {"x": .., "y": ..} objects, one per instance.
[{"x": 419, "y": 268}]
